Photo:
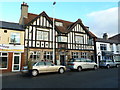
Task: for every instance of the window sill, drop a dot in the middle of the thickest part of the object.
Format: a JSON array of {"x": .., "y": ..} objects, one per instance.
[
  {"x": 3, "y": 68},
  {"x": 15, "y": 43}
]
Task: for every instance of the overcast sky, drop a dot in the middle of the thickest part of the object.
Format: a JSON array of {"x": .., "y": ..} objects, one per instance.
[{"x": 101, "y": 17}]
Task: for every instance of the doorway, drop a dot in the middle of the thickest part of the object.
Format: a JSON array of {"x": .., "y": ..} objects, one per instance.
[
  {"x": 62, "y": 60},
  {"x": 16, "y": 62}
]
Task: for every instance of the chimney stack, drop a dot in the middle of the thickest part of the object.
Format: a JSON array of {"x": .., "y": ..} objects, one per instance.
[
  {"x": 24, "y": 13},
  {"x": 105, "y": 36}
]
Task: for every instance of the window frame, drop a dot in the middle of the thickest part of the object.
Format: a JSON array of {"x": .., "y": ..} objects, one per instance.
[
  {"x": 41, "y": 35},
  {"x": 49, "y": 54},
  {"x": 78, "y": 39},
  {"x": 17, "y": 34},
  {"x": 103, "y": 47},
  {"x": 7, "y": 59},
  {"x": 38, "y": 53}
]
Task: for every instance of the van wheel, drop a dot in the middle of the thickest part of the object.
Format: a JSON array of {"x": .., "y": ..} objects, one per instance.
[
  {"x": 108, "y": 66},
  {"x": 34, "y": 73},
  {"x": 79, "y": 69},
  {"x": 95, "y": 67},
  {"x": 117, "y": 66}
]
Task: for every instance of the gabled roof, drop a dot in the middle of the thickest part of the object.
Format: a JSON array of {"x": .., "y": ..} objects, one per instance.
[
  {"x": 106, "y": 41},
  {"x": 115, "y": 38},
  {"x": 10, "y": 25},
  {"x": 67, "y": 25}
]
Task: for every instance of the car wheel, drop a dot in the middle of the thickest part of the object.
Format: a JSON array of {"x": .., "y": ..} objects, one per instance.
[
  {"x": 108, "y": 66},
  {"x": 61, "y": 70},
  {"x": 34, "y": 73},
  {"x": 117, "y": 66},
  {"x": 79, "y": 69},
  {"x": 95, "y": 67}
]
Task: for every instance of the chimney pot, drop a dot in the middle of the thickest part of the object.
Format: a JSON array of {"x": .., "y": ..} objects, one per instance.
[{"x": 105, "y": 36}]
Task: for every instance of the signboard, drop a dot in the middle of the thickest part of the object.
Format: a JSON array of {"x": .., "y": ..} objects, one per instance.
[{"x": 11, "y": 48}]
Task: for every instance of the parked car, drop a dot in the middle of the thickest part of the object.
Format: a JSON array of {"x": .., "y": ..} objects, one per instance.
[
  {"x": 43, "y": 67},
  {"x": 81, "y": 63},
  {"x": 108, "y": 63}
]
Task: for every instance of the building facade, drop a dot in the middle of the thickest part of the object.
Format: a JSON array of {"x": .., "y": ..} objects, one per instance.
[
  {"x": 72, "y": 39},
  {"x": 107, "y": 48},
  {"x": 116, "y": 47},
  {"x": 11, "y": 46}
]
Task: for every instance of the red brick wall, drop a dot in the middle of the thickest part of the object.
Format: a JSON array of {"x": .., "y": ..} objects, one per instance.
[
  {"x": 22, "y": 60},
  {"x": 10, "y": 57}
]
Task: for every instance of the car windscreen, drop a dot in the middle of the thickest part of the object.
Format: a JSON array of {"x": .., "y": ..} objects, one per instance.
[
  {"x": 34, "y": 63},
  {"x": 77, "y": 60}
]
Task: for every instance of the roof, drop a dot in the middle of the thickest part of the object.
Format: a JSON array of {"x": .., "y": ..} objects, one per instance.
[
  {"x": 67, "y": 25},
  {"x": 10, "y": 25},
  {"x": 106, "y": 41},
  {"x": 116, "y": 38}
]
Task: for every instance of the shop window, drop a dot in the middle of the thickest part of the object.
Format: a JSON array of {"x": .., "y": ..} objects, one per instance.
[
  {"x": 84, "y": 55},
  {"x": 48, "y": 56},
  {"x": 35, "y": 55},
  {"x": 74, "y": 54},
  {"x": 3, "y": 60},
  {"x": 15, "y": 38}
]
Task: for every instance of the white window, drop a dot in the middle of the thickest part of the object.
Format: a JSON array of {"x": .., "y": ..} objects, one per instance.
[
  {"x": 3, "y": 60},
  {"x": 15, "y": 38},
  {"x": 111, "y": 47},
  {"x": 79, "y": 39},
  {"x": 58, "y": 23},
  {"x": 103, "y": 47},
  {"x": 117, "y": 48},
  {"x": 41, "y": 35},
  {"x": 75, "y": 55},
  {"x": 48, "y": 55},
  {"x": 62, "y": 39},
  {"x": 35, "y": 55},
  {"x": 90, "y": 42},
  {"x": 84, "y": 55}
]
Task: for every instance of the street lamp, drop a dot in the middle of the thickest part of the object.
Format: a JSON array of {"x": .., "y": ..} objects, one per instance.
[{"x": 54, "y": 33}]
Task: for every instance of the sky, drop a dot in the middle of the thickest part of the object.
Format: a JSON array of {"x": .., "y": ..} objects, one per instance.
[{"x": 100, "y": 17}]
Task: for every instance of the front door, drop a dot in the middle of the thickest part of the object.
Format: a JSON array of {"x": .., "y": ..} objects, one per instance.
[
  {"x": 16, "y": 62},
  {"x": 62, "y": 60}
]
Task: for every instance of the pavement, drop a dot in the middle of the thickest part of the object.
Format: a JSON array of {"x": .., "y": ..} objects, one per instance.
[{"x": 9, "y": 74}]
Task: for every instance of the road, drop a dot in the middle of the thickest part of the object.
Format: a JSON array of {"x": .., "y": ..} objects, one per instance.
[{"x": 101, "y": 78}]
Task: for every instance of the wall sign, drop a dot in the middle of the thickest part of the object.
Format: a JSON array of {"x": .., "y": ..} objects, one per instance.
[{"x": 11, "y": 48}]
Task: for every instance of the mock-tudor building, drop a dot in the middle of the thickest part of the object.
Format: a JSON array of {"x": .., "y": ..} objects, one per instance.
[{"x": 72, "y": 39}]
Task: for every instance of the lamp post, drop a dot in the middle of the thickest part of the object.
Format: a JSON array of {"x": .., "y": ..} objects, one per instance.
[{"x": 54, "y": 33}]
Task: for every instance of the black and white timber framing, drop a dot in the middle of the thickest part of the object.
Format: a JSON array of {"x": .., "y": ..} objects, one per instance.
[{"x": 43, "y": 23}]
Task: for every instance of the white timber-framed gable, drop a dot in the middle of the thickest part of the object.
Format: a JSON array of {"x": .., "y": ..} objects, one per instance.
[{"x": 39, "y": 32}]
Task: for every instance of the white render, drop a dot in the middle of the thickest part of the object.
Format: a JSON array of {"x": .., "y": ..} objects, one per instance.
[{"x": 115, "y": 49}]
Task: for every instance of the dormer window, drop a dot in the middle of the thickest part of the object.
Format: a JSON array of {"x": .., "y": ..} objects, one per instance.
[{"x": 58, "y": 23}]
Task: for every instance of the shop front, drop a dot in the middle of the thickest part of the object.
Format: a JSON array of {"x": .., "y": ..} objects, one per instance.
[{"x": 11, "y": 57}]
